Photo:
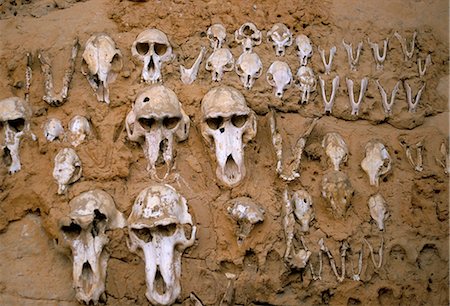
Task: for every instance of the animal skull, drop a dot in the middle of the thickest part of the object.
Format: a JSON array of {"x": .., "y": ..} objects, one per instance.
[
  {"x": 336, "y": 149},
  {"x": 156, "y": 227},
  {"x": 14, "y": 123},
  {"x": 377, "y": 161},
  {"x": 228, "y": 124},
  {"x": 102, "y": 61},
  {"x": 246, "y": 213},
  {"x": 279, "y": 76},
  {"x": 378, "y": 212},
  {"x": 304, "y": 49},
  {"x": 306, "y": 82},
  {"x": 67, "y": 169},
  {"x": 303, "y": 210},
  {"x": 219, "y": 61},
  {"x": 152, "y": 48},
  {"x": 53, "y": 129},
  {"x": 79, "y": 129},
  {"x": 281, "y": 38},
  {"x": 155, "y": 119},
  {"x": 249, "y": 36},
  {"x": 338, "y": 191},
  {"x": 217, "y": 35},
  {"x": 249, "y": 68},
  {"x": 84, "y": 231}
]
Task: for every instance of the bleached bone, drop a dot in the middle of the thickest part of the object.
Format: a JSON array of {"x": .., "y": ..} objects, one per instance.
[
  {"x": 377, "y": 161},
  {"x": 304, "y": 49},
  {"x": 378, "y": 212},
  {"x": 445, "y": 158},
  {"x": 306, "y": 82},
  {"x": 303, "y": 209},
  {"x": 413, "y": 105},
  {"x": 344, "y": 248},
  {"x": 53, "y": 129},
  {"x": 281, "y": 37},
  {"x": 288, "y": 224},
  {"x": 379, "y": 59},
  {"x": 337, "y": 190},
  {"x": 246, "y": 213},
  {"x": 404, "y": 44},
  {"x": 315, "y": 276},
  {"x": 326, "y": 64},
  {"x": 279, "y": 76},
  {"x": 220, "y": 61},
  {"x": 425, "y": 65},
  {"x": 418, "y": 163},
  {"x": 51, "y": 97},
  {"x": 79, "y": 129},
  {"x": 353, "y": 61},
  {"x": 372, "y": 255},
  {"x": 28, "y": 76},
  {"x": 335, "y": 148},
  {"x": 228, "y": 297},
  {"x": 249, "y": 68},
  {"x": 217, "y": 35},
  {"x": 351, "y": 95},
  {"x": 328, "y": 104},
  {"x": 357, "y": 276},
  {"x": 387, "y": 106},
  {"x": 277, "y": 143},
  {"x": 188, "y": 76},
  {"x": 67, "y": 169},
  {"x": 300, "y": 259},
  {"x": 248, "y": 35},
  {"x": 195, "y": 300}
]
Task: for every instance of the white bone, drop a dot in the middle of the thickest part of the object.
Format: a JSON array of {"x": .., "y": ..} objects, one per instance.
[
  {"x": 377, "y": 161},
  {"x": 326, "y": 64},
  {"x": 217, "y": 35},
  {"x": 387, "y": 106},
  {"x": 79, "y": 129},
  {"x": 102, "y": 61},
  {"x": 306, "y": 82},
  {"x": 220, "y": 61},
  {"x": 303, "y": 210},
  {"x": 300, "y": 259},
  {"x": 249, "y": 68},
  {"x": 228, "y": 124},
  {"x": 351, "y": 94},
  {"x": 315, "y": 276},
  {"x": 152, "y": 47},
  {"x": 156, "y": 229},
  {"x": 335, "y": 148},
  {"x": 246, "y": 213},
  {"x": 353, "y": 61},
  {"x": 445, "y": 157},
  {"x": 249, "y": 36},
  {"x": 418, "y": 163},
  {"x": 188, "y": 76},
  {"x": 304, "y": 49},
  {"x": 412, "y": 105},
  {"x": 84, "y": 231},
  {"x": 228, "y": 297},
  {"x": 379, "y": 59},
  {"x": 279, "y": 76},
  {"x": 288, "y": 224},
  {"x": 328, "y": 104},
  {"x": 425, "y": 66},
  {"x": 344, "y": 248},
  {"x": 404, "y": 44},
  {"x": 372, "y": 255},
  {"x": 28, "y": 76},
  {"x": 337, "y": 191},
  {"x": 53, "y": 129},
  {"x": 378, "y": 212},
  {"x": 67, "y": 169},
  {"x": 357, "y": 276},
  {"x": 281, "y": 37}
]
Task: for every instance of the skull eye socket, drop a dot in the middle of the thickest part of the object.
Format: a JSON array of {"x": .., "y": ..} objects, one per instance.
[
  {"x": 17, "y": 124},
  {"x": 171, "y": 122},
  {"x": 239, "y": 120},
  {"x": 142, "y": 48},
  {"x": 214, "y": 123},
  {"x": 167, "y": 230},
  {"x": 228, "y": 66},
  {"x": 160, "y": 49},
  {"x": 239, "y": 70},
  {"x": 116, "y": 62},
  {"x": 143, "y": 234},
  {"x": 147, "y": 123},
  {"x": 99, "y": 220},
  {"x": 72, "y": 231}
]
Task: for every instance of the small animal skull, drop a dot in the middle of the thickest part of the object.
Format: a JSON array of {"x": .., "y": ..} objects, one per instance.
[
  {"x": 377, "y": 161},
  {"x": 155, "y": 120},
  {"x": 246, "y": 213},
  {"x": 335, "y": 148},
  {"x": 306, "y": 82},
  {"x": 279, "y": 76},
  {"x": 79, "y": 129},
  {"x": 248, "y": 35},
  {"x": 84, "y": 231},
  {"x": 304, "y": 49},
  {"x": 152, "y": 48},
  {"x": 378, "y": 212},
  {"x": 157, "y": 229},
  {"x": 217, "y": 35},
  {"x": 338, "y": 191},
  {"x": 53, "y": 129},
  {"x": 249, "y": 68},
  {"x": 220, "y": 61},
  {"x": 303, "y": 210},
  {"x": 102, "y": 61},
  {"x": 67, "y": 169},
  {"x": 281, "y": 38},
  {"x": 228, "y": 124}
]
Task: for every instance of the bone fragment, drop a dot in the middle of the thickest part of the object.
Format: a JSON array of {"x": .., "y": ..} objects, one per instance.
[
  {"x": 387, "y": 106},
  {"x": 351, "y": 95},
  {"x": 327, "y": 64},
  {"x": 403, "y": 43},
  {"x": 425, "y": 65},
  {"x": 188, "y": 76},
  {"x": 353, "y": 61},
  {"x": 413, "y": 105},
  {"x": 328, "y": 104}
]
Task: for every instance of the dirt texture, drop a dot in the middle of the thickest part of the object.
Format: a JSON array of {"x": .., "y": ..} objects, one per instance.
[{"x": 414, "y": 270}]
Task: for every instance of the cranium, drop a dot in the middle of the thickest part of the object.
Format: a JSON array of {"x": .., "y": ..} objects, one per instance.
[
  {"x": 279, "y": 76},
  {"x": 152, "y": 48},
  {"x": 304, "y": 49},
  {"x": 248, "y": 35},
  {"x": 53, "y": 129},
  {"x": 378, "y": 212},
  {"x": 246, "y": 213},
  {"x": 219, "y": 61},
  {"x": 102, "y": 61},
  {"x": 79, "y": 129},
  {"x": 217, "y": 35},
  {"x": 306, "y": 82},
  {"x": 336, "y": 149},
  {"x": 281, "y": 38},
  {"x": 14, "y": 123},
  {"x": 303, "y": 210},
  {"x": 156, "y": 227},
  {"x": 377, "y": 161},
  {"x": 338, "y": 191},
  {"x": 228, "y": 124},
  {"x": 155, "y": 119},
  {"x": 84, "y": 231},
  {"x": 249, "y": 68},
  {"x": 67, "y": 169}
]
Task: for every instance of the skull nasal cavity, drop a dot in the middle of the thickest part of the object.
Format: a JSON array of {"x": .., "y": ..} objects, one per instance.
[
  {"x": 214, "y": 123},
  {"x": 142, "y": 48},
  {"x": 147, "y": 123},
  {"x": 239, "y": 120},
  {"x": 17, "y": 124}
]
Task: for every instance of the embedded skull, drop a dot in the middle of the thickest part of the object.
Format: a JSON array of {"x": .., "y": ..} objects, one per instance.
[
  {"x": 249, "y": 68},
  {"x": 378, "y": 212},
  {"x": 79, "y": 129},
  {"x": 303, "y": 210},
  {"x": 279, "y": 76},
  {"x": 306, "y": 82},
  {"x": 338, "y": 191},
  {"x": 157, "y": 227},
  {"x": 377, "y": 161},
  {"x": 304, "y": 49},
  {"x": 84, "y": 231},
  {"x": 216, "y": 35},
  {"x": 14, "y": 123},
  {"x": 219, "y": 61},
  {"x": 281, "y": 38},
  {"x": 155, "y": 119},
  {"x": 336, "y": 149},
  {"x": 67, "y": 169},
  {"x": 248, "y": 35},
  {"x": 102, "y": 61},
  {"x": 53, "y": 129},
  {"x": 152, "y": 48},
  {"x": 246, "y": 213},
  {"x": 228, "y": 124}
]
